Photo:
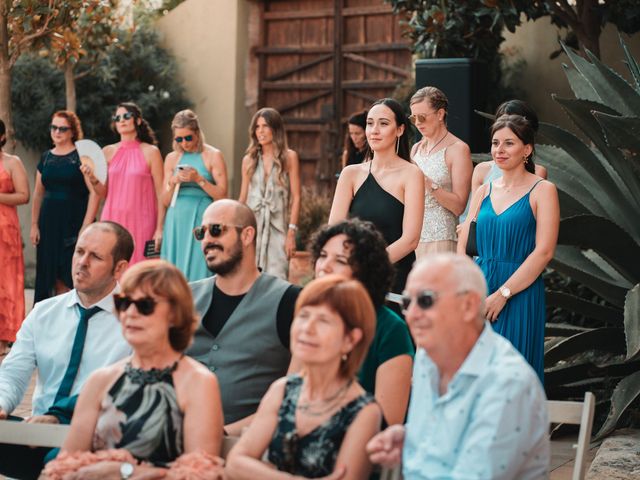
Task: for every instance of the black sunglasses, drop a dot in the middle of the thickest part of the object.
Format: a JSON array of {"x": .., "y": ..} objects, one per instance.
[
  {"x": 425, "y": 299},
  {"x": 59, "y": 128},
  {"x": 145, "y": 306},
  {"x": 215, "y": 230},
  {"x": 186, "y": 138},
  {"x": 124, "y": 116}
]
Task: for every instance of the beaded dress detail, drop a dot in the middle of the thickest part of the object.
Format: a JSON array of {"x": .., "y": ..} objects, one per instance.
[{"x": 439, "y": 223}]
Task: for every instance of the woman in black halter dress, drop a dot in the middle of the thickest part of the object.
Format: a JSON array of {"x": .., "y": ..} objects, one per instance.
[{"x": 387, "y": 191}]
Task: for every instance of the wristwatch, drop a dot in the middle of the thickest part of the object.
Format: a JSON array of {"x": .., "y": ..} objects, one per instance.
[
  {"x": 126, "y": 470},
  {"x": 202, "y": 182},
  {"x": 505, "y": 292},
  {"x": 434, "y": 186}
]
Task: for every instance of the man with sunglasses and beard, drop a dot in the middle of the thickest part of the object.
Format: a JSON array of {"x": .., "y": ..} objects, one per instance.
[
  {"x": 66, "y": 338},
  {"x": 243, "y": 336},
  {"x": 477, "y": 408}
]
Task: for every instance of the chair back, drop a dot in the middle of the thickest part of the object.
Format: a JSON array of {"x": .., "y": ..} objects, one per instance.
[{"x": 576, "y": 413}]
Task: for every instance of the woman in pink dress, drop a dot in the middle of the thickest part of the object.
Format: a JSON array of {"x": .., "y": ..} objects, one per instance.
[
  {"x": 14, "y": 190},
  {"x": 134, "y": 182}
]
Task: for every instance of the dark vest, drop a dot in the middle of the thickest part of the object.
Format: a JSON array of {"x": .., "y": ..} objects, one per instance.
[{"x": 247, "y": 355}]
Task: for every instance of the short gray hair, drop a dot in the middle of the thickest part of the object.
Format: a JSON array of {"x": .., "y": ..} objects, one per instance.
[{"x": 462, "y": 271}]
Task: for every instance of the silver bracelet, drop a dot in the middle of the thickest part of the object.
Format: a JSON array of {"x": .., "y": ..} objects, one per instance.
[{"x": 293, "y": 226}]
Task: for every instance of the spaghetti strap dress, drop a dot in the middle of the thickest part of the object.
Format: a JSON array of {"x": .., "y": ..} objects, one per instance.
[
  {"x": 11, "y": 264},
  {"x": 178, "y": 244},
  {"x": 131, "y": 198},
  {"x": 373, "y": 203},
  {"x": 504, "y": 242},
  {"x": 62, "y": 211}
]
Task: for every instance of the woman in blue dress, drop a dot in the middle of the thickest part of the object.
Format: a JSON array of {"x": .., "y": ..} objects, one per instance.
[
  {"x": 517, "y": 230},
  {"x": 200, "y": 172}
]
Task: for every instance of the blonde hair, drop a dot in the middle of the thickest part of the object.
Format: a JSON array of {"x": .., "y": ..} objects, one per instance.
[
  {"x": 274, "y": 121},
  {"x": 187, "y": 119},
  {"x": 436, "y": 98}
]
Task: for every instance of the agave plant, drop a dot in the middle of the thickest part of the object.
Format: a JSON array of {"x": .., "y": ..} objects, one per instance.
[{"x": 599, "y": 241}]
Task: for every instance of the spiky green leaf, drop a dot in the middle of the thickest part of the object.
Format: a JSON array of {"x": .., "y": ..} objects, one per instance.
[
  {"x": 584, "y": 307},
  {"x": 579, "y": 84},
  {"x": 604, "y": 339},
  {"x": 631, "y": 63},
  {"x": 614, "y": 90},
  {"x": 625, "y": 394},
  {"x": 632, "y": 322}
]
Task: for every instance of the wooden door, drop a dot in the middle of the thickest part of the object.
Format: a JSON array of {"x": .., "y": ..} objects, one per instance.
[{"x": 322, "y": 60}]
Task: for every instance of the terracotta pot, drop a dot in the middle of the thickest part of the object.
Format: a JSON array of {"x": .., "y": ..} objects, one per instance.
[{"x": 300, "y": 268}]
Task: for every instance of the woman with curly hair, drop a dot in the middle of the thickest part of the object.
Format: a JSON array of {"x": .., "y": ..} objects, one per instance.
[
  {"x": 355, "y": 249},
  {"x": 134, "y": 185},
  {"x": 63, "y": 204},
  {"x": 271, "y": 188}
]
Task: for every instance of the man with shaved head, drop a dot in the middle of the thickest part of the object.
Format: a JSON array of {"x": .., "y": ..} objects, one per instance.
[
  {"x": 477, "y": 408},
  {"x": 243, "y": 336}
]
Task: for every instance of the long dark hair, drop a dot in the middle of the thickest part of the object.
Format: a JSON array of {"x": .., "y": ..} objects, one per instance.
[
  {"x": 401, "y": 119},
  {"x": 3, "y": 134},
  {"x": 518, "y": 107},
  {"x": 144, "y": 132},
  {"x": 359, "y": 120},
  {"x": 523, "y": 130}
]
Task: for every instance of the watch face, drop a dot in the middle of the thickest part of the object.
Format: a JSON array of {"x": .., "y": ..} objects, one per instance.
[
  {"x": 505, "y": 292},
  {"x": 126, "y": 470}
]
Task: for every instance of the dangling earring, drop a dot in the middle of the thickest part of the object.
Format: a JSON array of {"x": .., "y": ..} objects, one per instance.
[
  {"x": 397, "y": 144},
  {"x": 344, "y": 357},
  {"x": 526, "y": 159}
]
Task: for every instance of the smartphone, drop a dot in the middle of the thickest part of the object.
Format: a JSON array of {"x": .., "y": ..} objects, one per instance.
[{"x": 183, "y": 167}]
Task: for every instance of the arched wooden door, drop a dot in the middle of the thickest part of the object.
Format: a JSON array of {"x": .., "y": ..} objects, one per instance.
[{"x": 320, "y": 61}]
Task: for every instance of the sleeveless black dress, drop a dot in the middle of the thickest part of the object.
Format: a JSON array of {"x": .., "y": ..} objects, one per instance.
[
  {"x": 63, "y": 209},
  {"x": 373, "y": 203}
]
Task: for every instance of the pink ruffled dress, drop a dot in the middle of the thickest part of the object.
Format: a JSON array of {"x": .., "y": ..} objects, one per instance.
[
  {"x": 11, "y": 265},
  {"x": 131, "y": 196}
]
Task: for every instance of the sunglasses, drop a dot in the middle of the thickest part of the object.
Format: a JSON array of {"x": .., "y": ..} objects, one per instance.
[
  {"x": 425, "y": 299},
  {"x": 215, "y": 230},
  {"x": 419, "y": 117},
  {"x": 59, "y": 128},
  {"x": 145, "y": 306},
  {"x": 124, "y": 116},
  {"x": 186, "y": 138}
]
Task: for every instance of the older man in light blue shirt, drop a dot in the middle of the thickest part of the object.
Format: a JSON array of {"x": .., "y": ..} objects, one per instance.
[{"x": 477, "y": 408}]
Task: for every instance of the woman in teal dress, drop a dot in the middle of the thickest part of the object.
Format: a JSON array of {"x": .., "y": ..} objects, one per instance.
[
  {"x": 517, "y": 231},
  {"x": 196, "y": 176}
]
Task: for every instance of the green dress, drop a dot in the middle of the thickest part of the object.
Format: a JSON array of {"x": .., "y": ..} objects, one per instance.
[{"x": 178, "y": 244}]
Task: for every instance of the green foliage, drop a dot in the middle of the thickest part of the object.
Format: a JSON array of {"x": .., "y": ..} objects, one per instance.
[
  {"x": 314, "y": 212},
  {"x": 37, "y": 90},
  {"x": 599, "y": 241},
  {"x": 136, "y": 68}
]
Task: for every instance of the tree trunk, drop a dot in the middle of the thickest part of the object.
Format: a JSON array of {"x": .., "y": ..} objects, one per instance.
[
  {"x": 5, "y": 79},
  {"x": 70, "y": 86},
  {"x": 590, "y": 28}
]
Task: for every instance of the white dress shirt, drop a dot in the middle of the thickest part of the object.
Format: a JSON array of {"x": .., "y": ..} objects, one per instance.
[
  {"x": 491, "y": 423},
  {"x": 44, "y": 343}
]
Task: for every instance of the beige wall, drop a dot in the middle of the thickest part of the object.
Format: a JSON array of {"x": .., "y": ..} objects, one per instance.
[
  {"x": 534, "y": 42},
  {"x": 209, "y": 41}
]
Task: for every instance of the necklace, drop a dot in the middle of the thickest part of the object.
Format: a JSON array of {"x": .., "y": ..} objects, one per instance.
[
  {"x": 437, "y": 143},
  {"x": 321, "y": 407}
]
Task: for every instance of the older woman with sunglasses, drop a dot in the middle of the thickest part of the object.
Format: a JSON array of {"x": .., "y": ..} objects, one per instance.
[
  {"x": 63, "y": 204},
  {"x": 134, "y": 184},
  {"x": 196, "y": 176},
  {"x": 317, "y": 423},
  {"x": 156, "y": 409}
]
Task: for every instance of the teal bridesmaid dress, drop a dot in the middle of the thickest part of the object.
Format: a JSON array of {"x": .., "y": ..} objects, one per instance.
[
  {"x": 504, "y": 242},
  {"x": 178, "y": 244}
]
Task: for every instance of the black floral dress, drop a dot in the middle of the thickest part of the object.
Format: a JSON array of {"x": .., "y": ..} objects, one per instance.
[
  {"x": 314, "y": 454},
  {"x": 141, "y": 413}
]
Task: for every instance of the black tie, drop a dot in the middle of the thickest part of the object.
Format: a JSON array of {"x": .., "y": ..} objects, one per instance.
[{"x": 76, "y": 352}]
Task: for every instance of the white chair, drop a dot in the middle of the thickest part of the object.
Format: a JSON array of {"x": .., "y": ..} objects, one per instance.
[
  {"x": 576, "y": 413},
  {"x": 36, "y": 434}
]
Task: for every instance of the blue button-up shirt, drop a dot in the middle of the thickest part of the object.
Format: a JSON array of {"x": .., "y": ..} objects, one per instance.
[
  {"x": 490, "y": 424},
  {"x": 44, "y": 343}
]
